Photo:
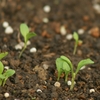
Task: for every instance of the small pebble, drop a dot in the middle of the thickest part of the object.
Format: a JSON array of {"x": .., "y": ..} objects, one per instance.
[
  {"x": 28, "y": 42},
  {"x": 80, "y": 31},
  {"x": 9, "y": 30},
  {"x": 92, "y": 90},
  {"x": 45, "y": 66},
  {"x": 45, "y": 82},
  {"x": 45, "y": 20},
  {"x": 69, "y": 83},
  {"x": 5, "y": 24},
  {"x": 18, "y": 47},
  {"x": 47, "y": 8},
  {"x": 69, "y": 36},
  {"x": 63, "y": 30},
  {"x": 82, "y": 67},
  {"x": 38, "y": 90},
  {"x": 6, "y": 67},
  {"x": 97, "y": 7},
  {"x": 89, "y": 68},
  {"x": 80, "y": 42},
  {"x": 79, "y": 52},
  {"x": 74, "y": 82},
  {"x": 57, "y": 84},
  {"x": 95, "y": 32},
  {"x": 33, "y": 50},
  {"x": 4, "y": 46},
  {"x": 22, "y": 44},
  {"x": 6, "y": 95}
]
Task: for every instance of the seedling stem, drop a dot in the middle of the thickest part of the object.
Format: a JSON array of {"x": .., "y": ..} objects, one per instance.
[
  {"x": 22, "y": 50},
  {"x": 75, "y": 36}
]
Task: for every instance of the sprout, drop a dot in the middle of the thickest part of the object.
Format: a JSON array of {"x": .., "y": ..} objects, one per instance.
[
  {"x": 26, "y": 35},
  {"x": 4, "y": 75},
  {"x": 64, "y": 65},
  {"x": 76, "y": 38}
]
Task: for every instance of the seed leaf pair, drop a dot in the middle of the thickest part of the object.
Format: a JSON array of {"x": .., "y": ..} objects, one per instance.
[
  {"x": 61, "y": 67},
  {"x": 64, "y": 65},
  {"x": 26, "y": 33}
]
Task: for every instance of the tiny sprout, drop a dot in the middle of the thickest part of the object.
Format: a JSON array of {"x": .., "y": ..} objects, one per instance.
[
  {"x": 4, "y": 74},
  {"x": 26, "y": 35},
  {"x": 2, "y": 55},
  {"x": 76, "y": 38},
  {"x": 64, "y": 65}
]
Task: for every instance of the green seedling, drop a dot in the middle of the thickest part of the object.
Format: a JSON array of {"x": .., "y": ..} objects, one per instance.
[
  {"x": 64, "y": 65},
  {"x": 4, "y": 75},
  {"x": 26, "y": 35},
  {"x": 2, "y": 55},
  {"x": 76, "y": 38}
]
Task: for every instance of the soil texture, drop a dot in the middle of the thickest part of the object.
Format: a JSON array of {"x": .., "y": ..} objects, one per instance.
[{"x": 53, "y": 21}]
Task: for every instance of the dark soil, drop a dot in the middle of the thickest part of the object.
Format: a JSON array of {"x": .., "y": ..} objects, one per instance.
[{"x": 50, "y": 44}]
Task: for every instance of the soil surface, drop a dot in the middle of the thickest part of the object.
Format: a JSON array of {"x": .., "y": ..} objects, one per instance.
[{"x": 36, "y": 72}]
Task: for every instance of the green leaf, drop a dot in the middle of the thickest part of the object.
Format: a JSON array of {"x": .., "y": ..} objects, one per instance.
[
  {"x": 66, "y": 69},
  {"x": 59, "y": 65},
  {"x": 1, "y": 67},
  {"x": 67, "y": 60},
  {"x": 83, "y": 63},
  {"x": 2, "y": 76},
  {"x": 24, "y": 30},
  {"x": 75, "y": 36},
  {"x": 2, "y": 55},
  {"x": 30, "y": 35},
  {"x": 9, "y": 73}
]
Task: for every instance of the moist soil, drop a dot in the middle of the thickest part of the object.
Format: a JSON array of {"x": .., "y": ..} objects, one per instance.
[{"x": 36, "y": 72}]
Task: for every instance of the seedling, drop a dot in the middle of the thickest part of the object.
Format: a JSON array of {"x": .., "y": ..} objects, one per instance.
[
  {"x": 26, "y": 35},
  {"x": 4, "y": 75},
  {"x": 2, "y": 55},
  {"x": 76, "y": 38},
  {"x": 64, "y": 65}
]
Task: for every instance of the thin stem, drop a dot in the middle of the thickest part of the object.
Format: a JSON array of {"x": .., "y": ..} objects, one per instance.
[
  {"x": 66, "y": 76},
  {"x": 22, "y": 51},
  {"x": 75, "y": 48},
  {"x": 4, "y": 81},
  {"x": 73, "y": 79}
]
